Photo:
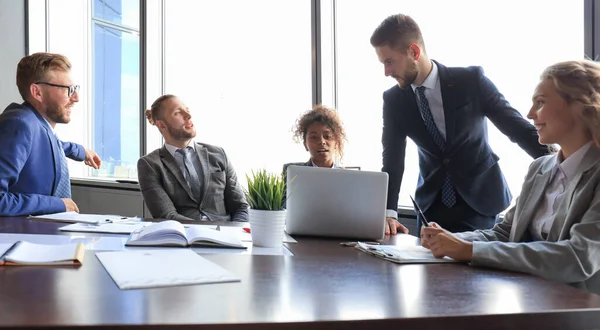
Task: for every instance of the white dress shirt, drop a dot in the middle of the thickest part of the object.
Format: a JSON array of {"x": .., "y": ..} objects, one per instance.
[
  {"x": 563, "y": 173},
  {"x": 433, "y": 93}
]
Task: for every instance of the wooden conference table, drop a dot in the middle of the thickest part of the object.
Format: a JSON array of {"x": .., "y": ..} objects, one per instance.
[{"x": 323, "y": 286}]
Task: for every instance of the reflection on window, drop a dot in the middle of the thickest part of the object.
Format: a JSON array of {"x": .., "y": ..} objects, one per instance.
[
  {"x": 116, "y": 89},
  {"x": 512, "y": 55},
  {"x": 123, "y": 13}
]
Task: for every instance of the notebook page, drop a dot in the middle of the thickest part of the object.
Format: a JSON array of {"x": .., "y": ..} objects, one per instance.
[
  {"x": 169, "y": 230},
  {"x": 199, "y": 234},
  {"x": 4, "y": 247},
  {"x": 160, "y": 268},
  {"x": 41, "y": 253}
]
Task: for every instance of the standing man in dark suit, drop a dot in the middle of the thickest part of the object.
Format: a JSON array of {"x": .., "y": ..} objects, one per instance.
[
  {"x": 443, "y": 110},
  {"x": 185, "y": 180},
  {"x": 34, "y": 176}
]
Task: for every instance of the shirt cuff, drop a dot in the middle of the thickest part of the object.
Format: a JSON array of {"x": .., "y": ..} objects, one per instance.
[{"x": 391, "y": 213}]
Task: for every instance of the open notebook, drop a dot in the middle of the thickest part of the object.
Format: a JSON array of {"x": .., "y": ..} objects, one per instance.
[
  {"x": 402, "y": 254},
  {"x": 25, "y": 253},
  {"x": 173, "y": 233}
]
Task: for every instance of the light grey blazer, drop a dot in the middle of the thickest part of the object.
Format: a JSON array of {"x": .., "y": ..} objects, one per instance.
[
  {"x": 571, "y": 253},
  {"x": 168, "y": 196}
]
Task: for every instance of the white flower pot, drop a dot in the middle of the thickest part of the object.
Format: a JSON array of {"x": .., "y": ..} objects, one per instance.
[{"x": 267, "y": 227}]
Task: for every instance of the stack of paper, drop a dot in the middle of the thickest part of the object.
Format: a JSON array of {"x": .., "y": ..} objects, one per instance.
[
  {"x": 160, "y": 268},
  {"x": 402, "y": 254}
]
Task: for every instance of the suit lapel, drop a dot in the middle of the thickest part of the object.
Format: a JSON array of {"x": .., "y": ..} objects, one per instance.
[
  {"x": 449, "y": 101},
  {"x": 54, "y": 145},
  {"x": 171, "y": 164},
  {"x": 203, "y": 157},
  {"x": 530, "y": 207},
  {"x": 591, "y": 158}
]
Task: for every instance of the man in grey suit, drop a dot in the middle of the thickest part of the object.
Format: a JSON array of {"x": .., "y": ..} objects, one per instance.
[{"x": 185, "y": 180}]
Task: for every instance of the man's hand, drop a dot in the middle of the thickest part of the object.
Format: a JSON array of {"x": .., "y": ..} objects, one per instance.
[
  {"x": 443, "y": 243},
  {"x": 392, "y": 226},
  {"x": 92, "y": 159},
  {"x": 70, "y": 205}
]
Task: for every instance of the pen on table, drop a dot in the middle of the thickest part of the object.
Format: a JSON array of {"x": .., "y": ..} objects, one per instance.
[
  {"x": 113, "y": 220},
  {"x": 246, "y": 229},
  {"x": 352, "y": 244},
  {"x": 424, "y": 221}
]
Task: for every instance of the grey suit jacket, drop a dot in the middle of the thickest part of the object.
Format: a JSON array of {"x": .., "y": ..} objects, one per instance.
[
  {"x": 168, "y": 196},
  {"x": 571, "y": 253}
]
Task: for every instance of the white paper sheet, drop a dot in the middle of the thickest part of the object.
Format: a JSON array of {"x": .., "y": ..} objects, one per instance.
[
  {"x": 161, "y": 268},
  {"x": 83, "y": 218}
]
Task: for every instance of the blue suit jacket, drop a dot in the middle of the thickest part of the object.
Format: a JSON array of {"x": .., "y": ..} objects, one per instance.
[
  {"x": 30, "y": 163},
  {"x": 468, "y": 98}
]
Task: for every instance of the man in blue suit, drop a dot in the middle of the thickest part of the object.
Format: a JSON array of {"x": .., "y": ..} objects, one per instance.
[
  {"x": 34, "y": 177},
  {"x": 443, "y": 110}
]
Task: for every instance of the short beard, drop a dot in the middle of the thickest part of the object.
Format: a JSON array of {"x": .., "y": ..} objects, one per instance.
[
  {"x": 180, "y": 134},
  {"x": 56, "y": 115},
  {"x": 412, "y": 71}
]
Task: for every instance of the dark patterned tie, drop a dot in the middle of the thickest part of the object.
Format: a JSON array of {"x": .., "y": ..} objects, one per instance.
[
  {"x": 448, "y": 194},
  {"x": 190, "y": 173},
  {"x": 63, "y": 189}
]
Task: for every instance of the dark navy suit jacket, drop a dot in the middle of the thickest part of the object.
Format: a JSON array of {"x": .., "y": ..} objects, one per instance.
[
  {"x": 30, "y": 163},
  {"x": 468, "y": 98}
]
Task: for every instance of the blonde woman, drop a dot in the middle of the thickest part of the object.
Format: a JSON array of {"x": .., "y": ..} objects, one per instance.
[{"x": 553, "y": 231}]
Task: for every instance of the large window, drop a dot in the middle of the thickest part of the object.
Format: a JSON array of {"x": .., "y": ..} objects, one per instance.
[
  {"x": 116, "y": 110},
  {"x": 101, "y": 39},
  {"x": 244, "y": 69},
  {"x": 512, "y": 40}
]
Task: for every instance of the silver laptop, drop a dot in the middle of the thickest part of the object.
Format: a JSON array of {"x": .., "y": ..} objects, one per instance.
[{"x": 336, "y": 202}]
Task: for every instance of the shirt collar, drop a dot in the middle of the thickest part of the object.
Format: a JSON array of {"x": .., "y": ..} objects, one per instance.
[
  {"x": 49, "y": 126},
  {"x": 431, "y": 79},
  {"x": 332, "y": 166},
  {"x": 173, "y": 149},
  {"x": 570, "y": 165}
]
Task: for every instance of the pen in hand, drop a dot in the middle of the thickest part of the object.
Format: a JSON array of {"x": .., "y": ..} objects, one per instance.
[{"x": 421, "y": 216}]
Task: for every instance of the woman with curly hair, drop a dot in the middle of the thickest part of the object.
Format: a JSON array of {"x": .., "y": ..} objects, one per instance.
[
  {"x": 553, "y": 231},
  {"x": 321, "y": 132}
]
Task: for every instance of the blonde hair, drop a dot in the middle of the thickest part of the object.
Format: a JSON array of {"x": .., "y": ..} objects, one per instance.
[
  {"x": 579, "y": 82},
  {"x": 324, "y": 115},
  {"x": 35, "y": 67},
  {"x": 154, "y": 113}
]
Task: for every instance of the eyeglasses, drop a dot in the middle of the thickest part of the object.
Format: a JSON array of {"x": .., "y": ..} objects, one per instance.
[{"x": 72, "y": 89}]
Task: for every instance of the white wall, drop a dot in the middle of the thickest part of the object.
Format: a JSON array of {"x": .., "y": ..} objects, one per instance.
[{"x": 12, "y": 48}]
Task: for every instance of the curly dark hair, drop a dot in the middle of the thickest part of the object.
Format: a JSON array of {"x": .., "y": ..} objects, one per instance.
[{"x": 324, "y": 115}]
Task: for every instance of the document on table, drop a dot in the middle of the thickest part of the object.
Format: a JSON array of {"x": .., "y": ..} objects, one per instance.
[
  {"x": 83, "y": 218},
  {"x": 402, "y": 254},
  {"x": 161, "y": 268}
]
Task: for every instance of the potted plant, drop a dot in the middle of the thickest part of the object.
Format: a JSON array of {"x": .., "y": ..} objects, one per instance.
[{"x": 266, "y": 196}]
